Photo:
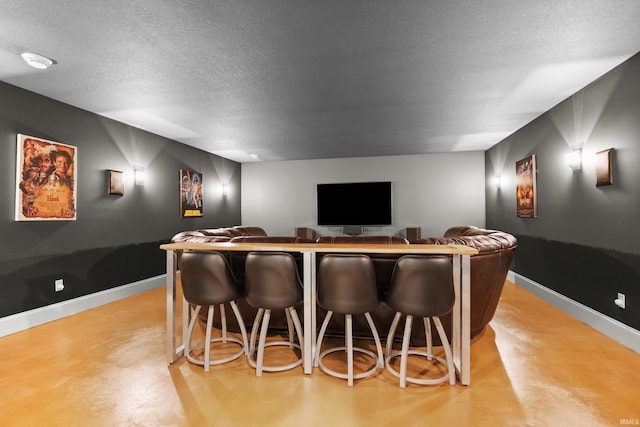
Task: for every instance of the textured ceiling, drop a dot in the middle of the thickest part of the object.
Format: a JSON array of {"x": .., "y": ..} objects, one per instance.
[{"x": 297, "y": 79}]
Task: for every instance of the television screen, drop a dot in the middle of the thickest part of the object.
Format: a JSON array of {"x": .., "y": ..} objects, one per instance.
[{"x": 354, "y": 203}]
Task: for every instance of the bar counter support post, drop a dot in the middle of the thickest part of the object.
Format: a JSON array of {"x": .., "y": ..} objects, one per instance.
[
  {"x": 462, "y": 317},
  {"x": 309, "y": 296},
  {"x": 172, "y": 350},
  {"x": 465, "y": 376}
]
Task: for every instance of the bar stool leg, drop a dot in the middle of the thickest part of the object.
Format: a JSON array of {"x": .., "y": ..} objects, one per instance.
[
  {"x": 323, "y": 329},
  {"x": 405, "y": 351},
  {"x": 349, "y": 349},
  {"x": 261, "y": 343},
  {"x": 207, "y": 343},
  {"x": 349, "y": 343},
  {"x": 298, "y": 329},
  {"x": 192, "y": 322},
  {"x": 392, "y": 332},
  {"x": 427, "y": 331},
  {"x": 376, "y": 337},
  {"x": 254, "y": 331},
  {"x": 223, "y": 321},
  {"x": 289, "y": 328},
  {"x": 447, "y": 350},
  {"x": 243, "y": 329}
]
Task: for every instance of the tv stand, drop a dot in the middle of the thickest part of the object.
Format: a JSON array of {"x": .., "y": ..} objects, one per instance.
[{"x": 352, "y": 230}]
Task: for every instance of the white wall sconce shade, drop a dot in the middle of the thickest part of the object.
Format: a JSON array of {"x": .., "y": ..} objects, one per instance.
[
  {"x": 497, "y": 181},
  {"x": 225, "y": 189},
  {"x": 574, "y": 159},
  {"x": 138, "y": 176},
  {"x": 37, "y": 61}
]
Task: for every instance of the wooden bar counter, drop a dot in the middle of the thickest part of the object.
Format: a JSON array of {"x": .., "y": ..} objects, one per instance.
[{"x": 461, "y": 255}]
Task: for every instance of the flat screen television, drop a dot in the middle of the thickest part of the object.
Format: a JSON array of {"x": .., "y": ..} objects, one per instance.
[{"x": 354, "y": 203}]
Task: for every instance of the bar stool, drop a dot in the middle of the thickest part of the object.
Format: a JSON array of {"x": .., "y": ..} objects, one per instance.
[
  {"x": 272, "y": 283},
  {"x": 421, "y": 286},
  {"x": 207, "y": 281},
  {"x": 347, "y": 285}
]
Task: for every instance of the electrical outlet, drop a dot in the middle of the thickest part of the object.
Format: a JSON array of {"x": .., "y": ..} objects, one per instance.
[
  {"x": 620, "y": 301},
  {"x": 58, "y": 285}
]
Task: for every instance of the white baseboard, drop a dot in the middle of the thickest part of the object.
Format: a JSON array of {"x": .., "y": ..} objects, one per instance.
[
  {"x": 28, "y": 319},
  {"x": 620, "y": 332}
]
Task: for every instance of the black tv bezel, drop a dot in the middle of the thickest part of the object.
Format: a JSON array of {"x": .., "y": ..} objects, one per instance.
[{"x": 385, "y": 205}]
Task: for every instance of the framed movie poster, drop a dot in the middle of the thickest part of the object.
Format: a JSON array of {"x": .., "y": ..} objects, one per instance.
[
  {"x": 190, "y": 194},
  {"x": 46, "y": 180},
  {"x": 526, "y": 197}
]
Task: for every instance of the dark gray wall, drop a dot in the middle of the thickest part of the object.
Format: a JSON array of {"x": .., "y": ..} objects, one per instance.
[
  {"x": 114, "y": 240},
  {"x": 585, "y": 243}
]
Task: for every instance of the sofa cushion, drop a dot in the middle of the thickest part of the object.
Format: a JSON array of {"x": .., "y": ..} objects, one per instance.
[
  {"x": 390, "y": 240},
  {"x": 249, "y": 230}
]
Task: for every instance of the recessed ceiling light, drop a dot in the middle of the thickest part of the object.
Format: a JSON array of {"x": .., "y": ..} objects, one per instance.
[
  {"x": 255, "y": 155},
  {"x": 37, "y": 61}
]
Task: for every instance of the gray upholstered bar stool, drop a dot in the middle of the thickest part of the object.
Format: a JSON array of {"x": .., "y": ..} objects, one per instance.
[
  {"x": 272, "y": 283},
  {"x": 207, "y": 281},
  {"x": 347, "y": 285},
  {"x": 421, "y": 286}
]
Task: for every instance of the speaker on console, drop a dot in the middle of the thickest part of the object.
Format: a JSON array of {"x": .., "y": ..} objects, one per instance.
[
  {"x": 306, "y": 233},
  {"x": 413, "y": 234}
]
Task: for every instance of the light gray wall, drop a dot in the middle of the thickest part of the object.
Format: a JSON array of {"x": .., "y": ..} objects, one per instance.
[{"x": 434, "y": 191}]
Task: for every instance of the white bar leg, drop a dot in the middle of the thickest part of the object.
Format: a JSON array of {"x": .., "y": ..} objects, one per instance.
[
  {"x": 173, "y": 352},
  {"x": 465, "y": 319},
  {"x": 405, "y": 351},
  {"x": 297, "y": 326},
  {"x": 254, "y": 331},
  {"x": 223, "y": 321},
  {"x": 207, "y": 342},
  {"x": 376, "y": 338},
  {"x": 447, "y": 350},
  {"x": 349, "y": 343},
  {"x": 392, "y": 332},
  {"x": 243, "y": 329},
  {"x": 427, "y": 332},
  {"x": 456, "y": 318},
  {"x": 309, "y": 296},
  {"x": 290, "y": 331},
  {"x": 323, "y": 329},
  {"x": 263, "y": 339}
]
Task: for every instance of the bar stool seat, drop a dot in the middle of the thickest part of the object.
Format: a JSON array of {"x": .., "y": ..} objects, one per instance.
[
  {"x": 207, "y": 281},
  {"x": 347, "y": 285},
  {"x": 272, "y": 283},
  {"x": 421, "y": 286}
]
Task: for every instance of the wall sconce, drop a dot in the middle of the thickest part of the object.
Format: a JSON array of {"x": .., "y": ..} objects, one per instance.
[
  {"x": 574, "y": 159},
  {"x": 497, "y": 181},
  {"x": 225, "y": 189},
  {"x": 138, "y": 176}
]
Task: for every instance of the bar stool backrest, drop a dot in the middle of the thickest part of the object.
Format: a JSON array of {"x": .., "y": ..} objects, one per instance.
[
  {"x": 206, "y": 278},
  {"x": 347, "y": 284},
  {"x": 422, "y": 286},
  {"x": 272, "y": 280}
]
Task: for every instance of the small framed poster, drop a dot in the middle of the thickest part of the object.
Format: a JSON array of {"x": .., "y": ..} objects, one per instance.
[
  {"x": 46, "y": 180},
  {"x": 115, "y": 183},
  {"x": 604, "y": 167},
  {"x": 526, "y": 197},
  {"x": 190, "y": 194}
]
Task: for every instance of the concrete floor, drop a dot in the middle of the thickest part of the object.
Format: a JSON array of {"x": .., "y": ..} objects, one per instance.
[{"x": 533, "y": 366}]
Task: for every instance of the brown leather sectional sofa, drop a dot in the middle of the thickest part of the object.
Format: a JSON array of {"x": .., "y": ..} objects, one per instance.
[{"x": 488, "y": 272}]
